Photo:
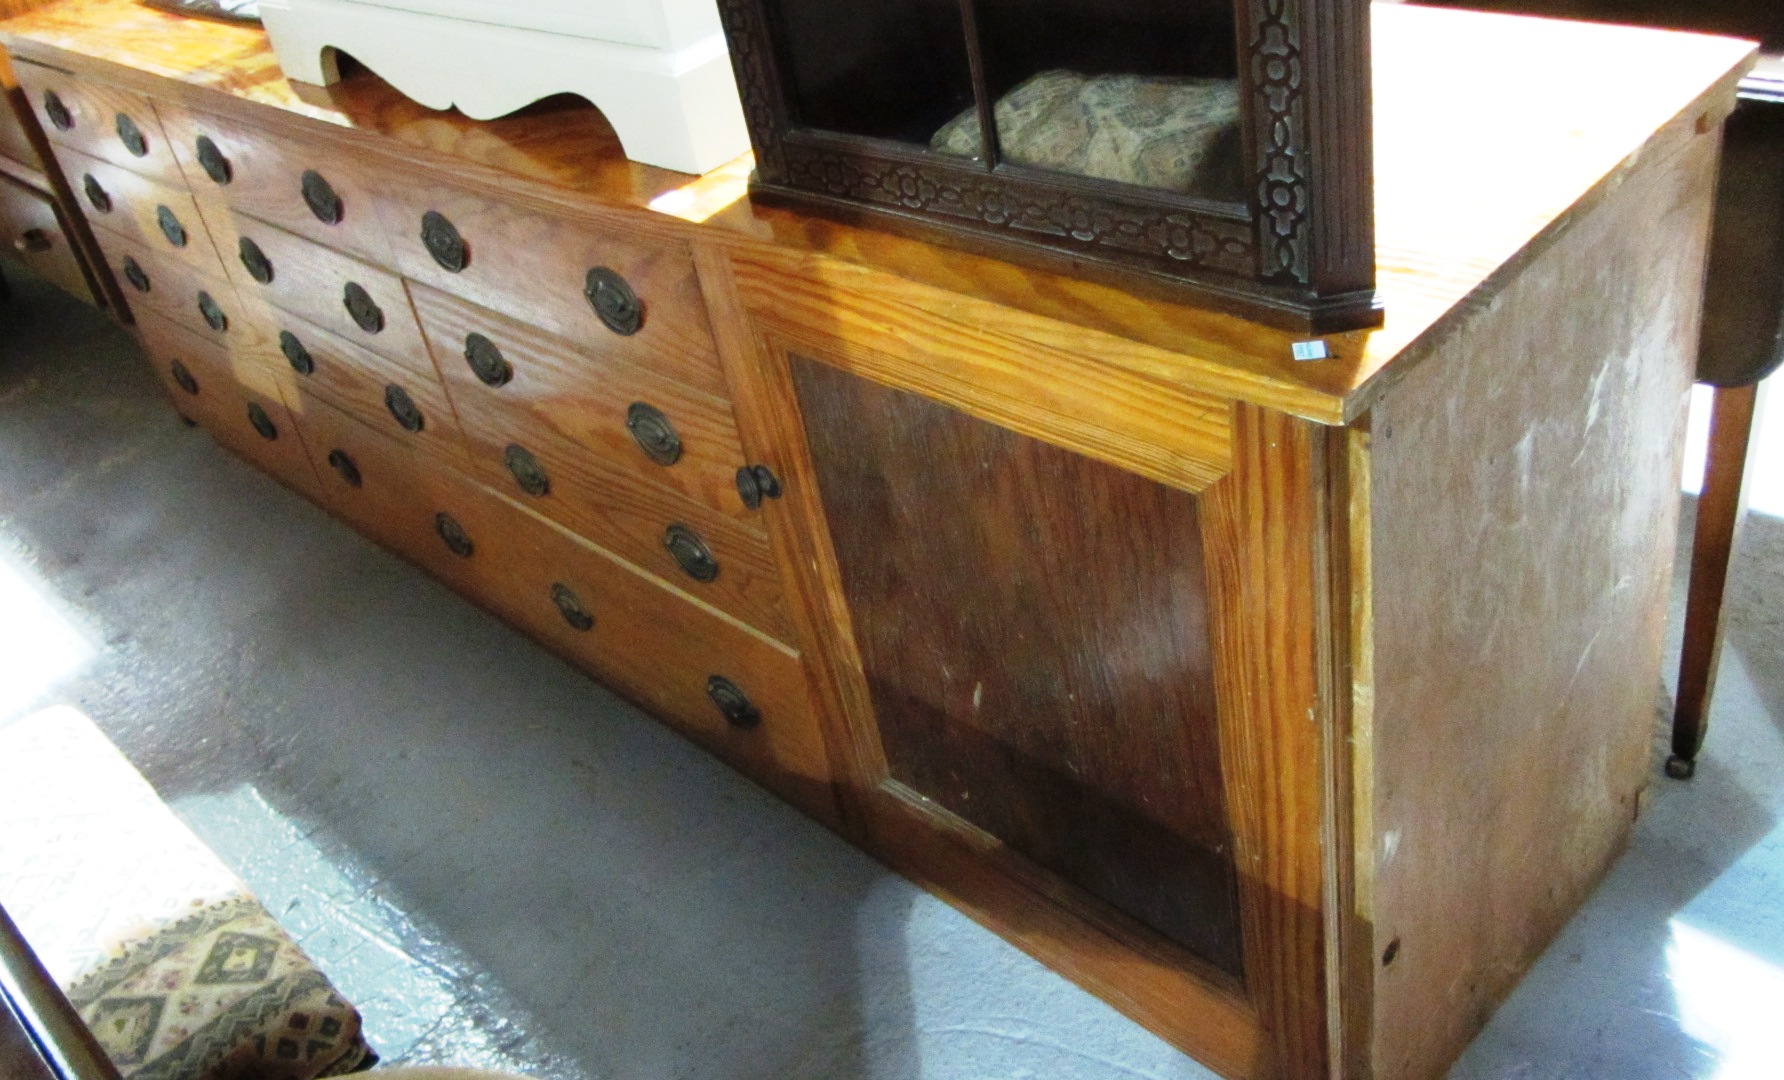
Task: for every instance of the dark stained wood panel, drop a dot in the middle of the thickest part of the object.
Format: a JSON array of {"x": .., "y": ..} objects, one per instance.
[{"x": 1033, "y": 625}]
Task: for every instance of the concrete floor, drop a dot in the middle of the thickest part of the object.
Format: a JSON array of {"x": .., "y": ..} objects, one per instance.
[{"x": 503, "y": 865}]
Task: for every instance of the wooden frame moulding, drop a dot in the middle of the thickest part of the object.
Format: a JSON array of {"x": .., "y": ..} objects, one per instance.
[{"x": 1268, "y": 530}]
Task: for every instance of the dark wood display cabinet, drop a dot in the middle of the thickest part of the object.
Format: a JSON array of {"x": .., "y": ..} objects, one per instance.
[
  {"x": 1290, "y": 707},
  {"x": 1215, "y": 149}
]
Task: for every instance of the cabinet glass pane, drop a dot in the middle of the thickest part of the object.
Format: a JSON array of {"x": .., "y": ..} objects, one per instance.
[
  {"x": 1142, "y": 92},
  {"x": 891, "y": 69}
]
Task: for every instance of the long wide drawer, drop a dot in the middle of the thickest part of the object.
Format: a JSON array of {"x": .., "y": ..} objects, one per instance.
[
  {"x": 721, "y": 683},
  {"x": 660, "y": 430}
]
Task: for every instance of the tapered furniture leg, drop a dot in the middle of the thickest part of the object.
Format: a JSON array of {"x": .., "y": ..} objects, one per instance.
[{"x": 1720, "y": 511}]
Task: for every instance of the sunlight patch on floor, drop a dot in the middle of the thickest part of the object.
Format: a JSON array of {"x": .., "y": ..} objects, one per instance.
[
  {"x": 39, "y": 647},
  {"x": 1729, "y": 1000}
]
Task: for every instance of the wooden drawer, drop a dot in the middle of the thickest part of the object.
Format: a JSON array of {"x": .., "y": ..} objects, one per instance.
[
  {"x": 411, "y": 408},
  {"x": 104, "y": 121},
  {"x": 360, "y": 302},
  {"x": 616, "y": 510},
  {"x": 237, "y": 358},
  {"x": 239, "y": 408},
  {"x": 535, "y": 264},
  {"x": 32, "y": 231},
  {"x": 645, "y": 640},
  {"x": 587, "y": 398},
  {"x": 663, "y": 651},
  {"x": 203, "y": 301},
  {"x": 159, "y": 217},
  {"x": 269, "y": 177}
]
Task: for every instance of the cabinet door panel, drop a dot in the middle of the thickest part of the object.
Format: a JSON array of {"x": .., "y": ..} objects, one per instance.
[{"x": 1034, "y": 629}]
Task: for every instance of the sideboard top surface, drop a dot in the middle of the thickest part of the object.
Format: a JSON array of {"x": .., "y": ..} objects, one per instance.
[{"x": 1493, "y": 134}]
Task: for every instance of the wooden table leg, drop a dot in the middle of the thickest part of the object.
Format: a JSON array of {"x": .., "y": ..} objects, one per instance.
[{"x": 1720, "y": 510}]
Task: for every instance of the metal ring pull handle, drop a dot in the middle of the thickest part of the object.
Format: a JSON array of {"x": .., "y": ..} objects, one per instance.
[
  {"x": 617, "y": 306},
  {"x": 171, "y": 228},
  {"x": 262, "y": 422},
  {"x": 131, "y": 136},
  {"x": 212, "y": 161},
  {"x": 259, "y": 267},
  {"x": 403, "y": 408},
  {"x": 653, "y": 432},
  {"x": 364, "y": 311},
  {"x": 295, "y": 353},
  {"x": 526, "y": 470},
  {"x": 732, "y": 702},
  {"x": 453, "y": 535},
  {"x": 443, "y": 242},
  {"x": 569, "y": 605},
  {"x": 319, "y": 195},
  {"x": 486, "y": 361},
  {"x": 690, "y": 553}
]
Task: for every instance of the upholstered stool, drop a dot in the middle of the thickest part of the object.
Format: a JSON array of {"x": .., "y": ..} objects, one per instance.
[{"x": 174, "y": 969}]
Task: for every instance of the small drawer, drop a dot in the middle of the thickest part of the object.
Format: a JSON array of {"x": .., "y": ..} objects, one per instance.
[
  {"x": 356, "y": 300},
  {"x": 32, "y": 231},
  {"x": 387, "y": 396},
  {"x": 247, "y": 417},
  {"x": 307, "y": 188},
  {"x": 660, "y": 430},
  {"x": 712, "y": 556},
  {"x": 110, "y": 124},
  {"x": 162, "y": 218},
  {"x": 202, "y": 301},
  {"x": 239, "y": 357},
  {"x": 550, "y": 268}
]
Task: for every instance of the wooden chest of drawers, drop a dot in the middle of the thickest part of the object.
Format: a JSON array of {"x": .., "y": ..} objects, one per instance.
[{"x": 1291, "y": 707}]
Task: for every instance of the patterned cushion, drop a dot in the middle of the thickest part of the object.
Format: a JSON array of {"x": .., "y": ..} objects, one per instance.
[
  {"x": 222, "y": 994},
  {"x": 1170, "y": 134}
]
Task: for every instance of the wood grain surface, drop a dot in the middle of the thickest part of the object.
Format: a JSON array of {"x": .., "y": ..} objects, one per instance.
[
  {"x": 311, "y": 282},
  {"x": 1525, "y": 495},
  {"x": 900, "y": 333},
  {"x": 94, "y": 108},
  {"x": 1470, "y": 185},
  {"x": 173, "y": 286},
  {"x": 615, "y": 509},
  {"x": 354, "y": 380},
  {"x": 533, "y": 262},
  {"x": 266, "y": 179},
  {"x": 583, "y": 393},
  {"x": 132, "y": 206},
  {"x": 648, "y": 641},
  {"x": 1033, "y": 626}
]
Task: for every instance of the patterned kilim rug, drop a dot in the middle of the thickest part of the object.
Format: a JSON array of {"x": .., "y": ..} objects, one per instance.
[{"x": 176, "y": 968}]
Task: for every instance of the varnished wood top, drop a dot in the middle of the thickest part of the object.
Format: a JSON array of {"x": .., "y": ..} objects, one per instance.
[{"x": 1493, "y": 134}]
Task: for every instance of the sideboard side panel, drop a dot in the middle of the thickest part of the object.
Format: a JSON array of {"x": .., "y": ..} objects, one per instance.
[{"x": 1525, "y": 497}]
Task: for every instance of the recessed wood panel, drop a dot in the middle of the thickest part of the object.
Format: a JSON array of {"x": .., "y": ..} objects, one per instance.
[{"x": 1033, "y": 626}]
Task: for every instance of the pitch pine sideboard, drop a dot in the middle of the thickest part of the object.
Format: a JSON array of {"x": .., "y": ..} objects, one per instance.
[{"x": 1290, "y": 706}]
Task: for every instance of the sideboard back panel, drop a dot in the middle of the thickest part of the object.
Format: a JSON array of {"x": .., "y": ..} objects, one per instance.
[{"x": 1034, "y": 628}]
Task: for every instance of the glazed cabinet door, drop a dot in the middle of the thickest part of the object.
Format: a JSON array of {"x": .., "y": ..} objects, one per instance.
[{"x": 1081, "y": 692}]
